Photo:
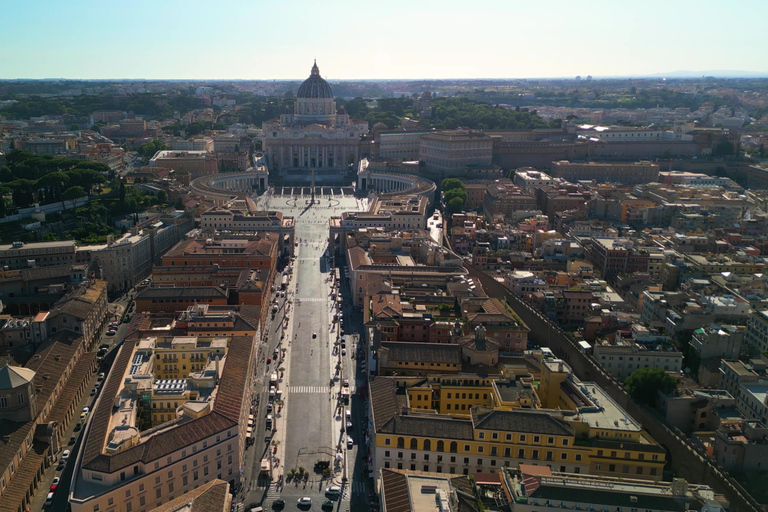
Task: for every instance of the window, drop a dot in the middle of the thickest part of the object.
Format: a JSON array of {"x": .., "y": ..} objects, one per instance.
[
  {"x": 158, "y": 493},
  {"x": 536, "y": 439},
  {"x": 110, "y": 502},
  {"x": 521, "y": 453},
  {"x": 96, "y": 508},
  {"x": 387, "y": 441},
  {"x": 386, "y": 453},
  {"x": 550, "y": 440},
  {"x": 494, "y": 435},
  {"x": 481, "y": 435},
  {"x": 399, "y": 455}
]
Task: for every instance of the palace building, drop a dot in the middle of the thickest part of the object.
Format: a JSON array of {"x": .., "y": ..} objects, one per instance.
[{"x": 314, "y": 137}]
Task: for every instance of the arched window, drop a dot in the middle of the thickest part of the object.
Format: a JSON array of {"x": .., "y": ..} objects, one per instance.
[
  {"x": 440, "y": 446},
  {"x": 427, "y": 445},
  {"x": 414, "y": 444},
  {"x": 454, "y": 447},
  {"x": 400, "y": 442}
]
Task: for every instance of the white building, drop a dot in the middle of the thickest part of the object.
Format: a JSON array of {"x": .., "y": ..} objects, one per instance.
[{"x": 530, "y": 179}]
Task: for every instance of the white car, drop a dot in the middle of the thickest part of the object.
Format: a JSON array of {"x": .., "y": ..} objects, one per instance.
[
  {"x": 350, "y": 442},
  {"x": 305, "y": 501},
  {"x": 65, "y": 455}
]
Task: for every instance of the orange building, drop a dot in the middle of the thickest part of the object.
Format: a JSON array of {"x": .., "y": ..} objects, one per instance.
[
  {"x": 260, "y": 252},
  {"x": 174, "y": 299}
]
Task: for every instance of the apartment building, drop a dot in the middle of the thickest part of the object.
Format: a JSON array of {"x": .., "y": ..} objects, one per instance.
[
  {"x": 500, "y": 323},
  {"x": 19, "y": 255},
  {"x": 84, "y": 310},
  {"x": 623, "y": 357},
  {"x": 175, "y": 299},
  {"x": 756, "y": 337},
  {"x": 504, "y": 198},
  {"x": 613, "y": 256},
  {"x": 529, "y": 179},
  {"x": 258, "y": 251},
  {"x": 127, "y": 463},
  {"x": 532, "y": 488},
  {"x": 628, "y": 173},
  {"x": 124, "y": 262},
  {"x": 407, "y": 259}
]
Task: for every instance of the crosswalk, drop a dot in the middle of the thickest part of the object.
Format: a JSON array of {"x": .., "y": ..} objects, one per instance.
[
  {"x": 308, "y": 389},
  {"x": 273, "y": 493},
  {"x": 313, "y": 299}
]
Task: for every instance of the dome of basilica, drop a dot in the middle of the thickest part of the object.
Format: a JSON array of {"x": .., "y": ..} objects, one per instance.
[{"x": 315, "y": 86}]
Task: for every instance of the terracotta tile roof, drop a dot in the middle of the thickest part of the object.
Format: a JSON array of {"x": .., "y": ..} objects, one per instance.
[
  {"x": 394, "y": 491},
  {"x": 429, "y": 425},
  {"x": 80, "y": 373},
  {"x": 15, "y": 493},
  {"x": 229, "y": 397},
  {"x": 407, "y": 351},
  {"x": 386, "y": 305},
  {"x": 181, "y": 292},
  {"x": 520, "y": 421},
  {"x": 383, "y": 400},
  {"x": 211, "y": 497}
]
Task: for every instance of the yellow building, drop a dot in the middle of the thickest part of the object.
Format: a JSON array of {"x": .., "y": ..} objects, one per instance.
[
  {"x": 456, "y": 395},
  {"x": 177, "y": 357},
  {"x": 494, "y": 423}
]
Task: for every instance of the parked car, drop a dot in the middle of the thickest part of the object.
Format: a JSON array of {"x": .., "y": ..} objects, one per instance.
[
  {"x": 305, "y": 501},
  {"x": 111, "y": 333},
  {"x": 65, "y": 455},
  {"x": 49, "y": 499},
  {"x": 350, "y": 442},
  {"x": 72, "y": 439},
  {"x": 100, "y": 377},
  {"x": 55, "y": 484},
  {"x": 314, "y": 335},
  {"x": 333, "y": 491}
]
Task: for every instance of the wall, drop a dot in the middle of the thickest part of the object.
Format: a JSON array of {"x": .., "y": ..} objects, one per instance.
[
  {"x": 686, "y": 461},
  {"x": 26, "y": 213}
]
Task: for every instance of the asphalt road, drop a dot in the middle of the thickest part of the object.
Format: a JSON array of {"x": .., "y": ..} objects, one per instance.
[{"x": 311, "y": 420}]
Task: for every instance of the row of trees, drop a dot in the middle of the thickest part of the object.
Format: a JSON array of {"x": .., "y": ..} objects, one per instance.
[
  {"x": 146, "y": 104},
  {"x": 31, "y": 178}
]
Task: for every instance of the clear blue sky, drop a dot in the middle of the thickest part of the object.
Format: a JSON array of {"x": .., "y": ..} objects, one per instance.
[{"x": 378, "y": 39}]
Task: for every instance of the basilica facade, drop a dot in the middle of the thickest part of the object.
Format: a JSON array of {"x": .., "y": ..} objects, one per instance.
[{"x": 314, "y": 137}]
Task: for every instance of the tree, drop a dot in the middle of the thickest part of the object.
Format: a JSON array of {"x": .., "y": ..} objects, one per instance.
[
  {"x": 723, "y": 148},
  {"x": 162, "y": 197},
  {"x": 451, "y": 183},
  {"x": 122, "y": 191},
  {"x": 643, "y": 385},
  {"x": 73, "y": 193},
  {"x": 179, "y": 204},
  {"x": 455, "y": 192},
  {"x": 455, "y": 205}
]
